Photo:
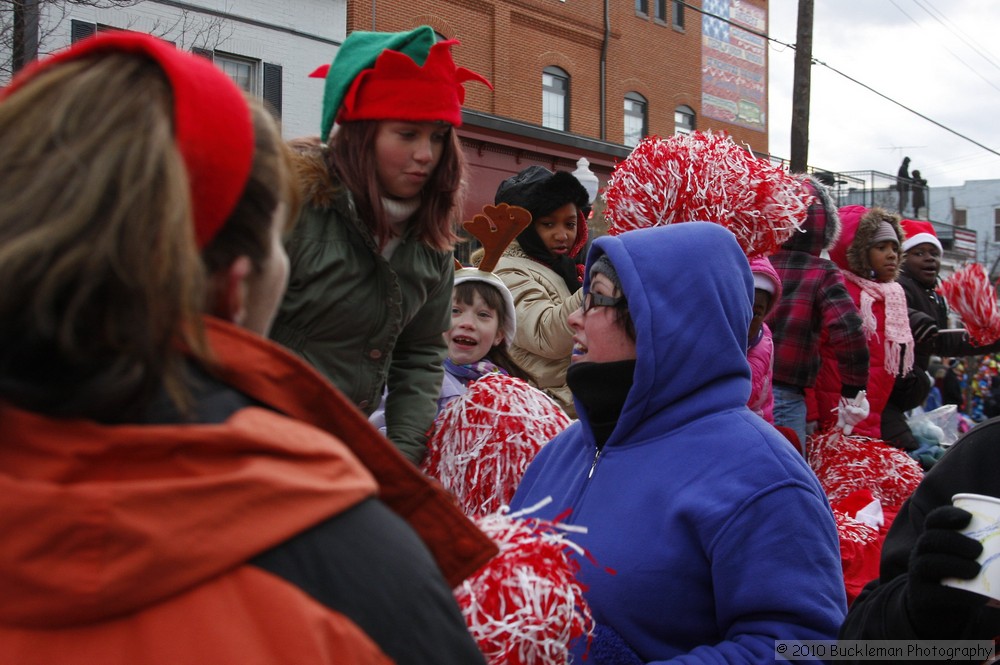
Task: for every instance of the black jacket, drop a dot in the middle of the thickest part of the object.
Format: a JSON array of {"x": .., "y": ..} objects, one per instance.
[
  {"x": 911, "y": 391},
  {"x": 880, "y": 612}
]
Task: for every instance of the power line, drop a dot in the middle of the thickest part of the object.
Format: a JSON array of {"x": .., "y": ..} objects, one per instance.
[
  {"x": 966, "y": 39},
  {"x": 945, "y": 47},
  {"x": 849, "y": 78},
  {"x": 905, "y": 107}
]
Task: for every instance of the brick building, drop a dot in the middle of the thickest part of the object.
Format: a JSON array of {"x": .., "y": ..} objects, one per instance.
[{"x": 573, "y": 77}]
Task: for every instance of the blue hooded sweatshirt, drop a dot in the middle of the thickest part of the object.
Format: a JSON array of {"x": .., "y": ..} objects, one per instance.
[{"x": 718, "y": 537}]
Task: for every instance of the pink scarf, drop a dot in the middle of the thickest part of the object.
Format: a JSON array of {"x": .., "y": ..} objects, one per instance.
[{"x": 897, "y": 321}]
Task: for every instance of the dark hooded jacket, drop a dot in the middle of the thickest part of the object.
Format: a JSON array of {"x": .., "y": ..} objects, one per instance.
[
  {"x": 814, "y": 298},
  {"x": 881, "y": 611}
]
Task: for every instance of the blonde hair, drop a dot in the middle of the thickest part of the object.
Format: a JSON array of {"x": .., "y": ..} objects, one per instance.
[{"x": 97, "y": 234}]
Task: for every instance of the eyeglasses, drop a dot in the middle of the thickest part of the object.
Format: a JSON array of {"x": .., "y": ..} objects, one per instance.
[{"x": 592, "y": 300}]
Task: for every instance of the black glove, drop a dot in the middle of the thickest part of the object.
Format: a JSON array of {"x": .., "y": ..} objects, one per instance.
[
  {"x": 937, "y": 611},
  {"x": 923, "y": 326}
]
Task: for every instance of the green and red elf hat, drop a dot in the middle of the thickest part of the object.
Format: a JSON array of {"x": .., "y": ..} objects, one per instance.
[
  {"x": 213, "y": 129},
  {"x": 394, "y": 76}
]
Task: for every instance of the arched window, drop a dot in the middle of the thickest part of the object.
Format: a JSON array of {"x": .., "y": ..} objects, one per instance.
[
  {"x": 555, "y": 98},
  {"x": 636, "y": 125},
  {"x": 683, "y": 120}
]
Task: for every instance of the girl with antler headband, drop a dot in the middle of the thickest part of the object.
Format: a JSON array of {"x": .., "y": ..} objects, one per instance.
[
  {"x": 483, "y": 317},
  {"x": 371, "y": 260}
]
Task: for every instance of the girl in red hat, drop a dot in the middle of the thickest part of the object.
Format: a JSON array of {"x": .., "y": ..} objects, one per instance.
[
  {"x": 371, "y": 253},
  {"x": 869, "y": 256}
]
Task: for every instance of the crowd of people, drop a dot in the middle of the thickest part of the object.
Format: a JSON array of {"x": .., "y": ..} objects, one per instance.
[{"x": 223, "y": 351}]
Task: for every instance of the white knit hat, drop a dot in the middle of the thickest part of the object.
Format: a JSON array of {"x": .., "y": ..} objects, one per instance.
[{"x": 476, "y": 275}]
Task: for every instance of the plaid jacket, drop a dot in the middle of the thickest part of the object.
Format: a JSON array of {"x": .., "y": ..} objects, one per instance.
[{"x": 814, "y": 298}]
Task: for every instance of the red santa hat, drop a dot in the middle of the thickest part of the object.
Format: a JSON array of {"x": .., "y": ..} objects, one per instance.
[{"x": 918, "y": 232}]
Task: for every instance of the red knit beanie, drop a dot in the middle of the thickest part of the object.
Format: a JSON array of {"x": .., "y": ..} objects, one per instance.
[{"x": 212, "y": 125}]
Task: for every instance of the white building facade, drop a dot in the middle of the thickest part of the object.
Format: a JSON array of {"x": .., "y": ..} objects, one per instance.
[
  {"x": 975, "y": 206},
  {"x": 269, "y": 47}
]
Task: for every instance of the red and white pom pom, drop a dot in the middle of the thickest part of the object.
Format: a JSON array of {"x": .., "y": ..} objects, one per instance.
[
  {"x": 525, "y": 606},
  {"x": 860, "y": 550},
  {"x": 854, "y": 531},
  {"x": 481, "y": 443},
  {"x": 846, "y": 464},
  {"x": 706, "y": 177},
  {"x": 971, "y": 295}
]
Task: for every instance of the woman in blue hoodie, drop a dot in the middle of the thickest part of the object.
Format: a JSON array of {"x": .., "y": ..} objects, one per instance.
[{"x": 712, "y": 537}]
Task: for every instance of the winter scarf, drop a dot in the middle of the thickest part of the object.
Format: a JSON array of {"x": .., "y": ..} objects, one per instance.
[
  {"x": 898, "y": 337},
  {"x": 472, "y": 371},
  {"x": 564, "y": 266}
]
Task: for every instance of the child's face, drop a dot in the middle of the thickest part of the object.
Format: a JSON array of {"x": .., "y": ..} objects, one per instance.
[
  {"x": 558, "y": 229},
  {"x": 761, "y": 303},
  {"x": 407, "y": 154},
  {"x": 475, "y": 329},
  {"x": 923, "y": 263},
  {"x": 884, "y": 259}
]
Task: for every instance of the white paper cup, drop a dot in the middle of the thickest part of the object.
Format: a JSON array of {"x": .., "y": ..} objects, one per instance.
[{"x": 984, "y": 527}]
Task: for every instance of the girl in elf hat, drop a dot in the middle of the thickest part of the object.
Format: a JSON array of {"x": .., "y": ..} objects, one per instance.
[
  {"x": 175, "y": 487},
  {"x": 542, "y": 273},
  {"x": 868, "y": 254},
  {"x": 928, "y": 314},
  {"x": 371, "y": 263}
]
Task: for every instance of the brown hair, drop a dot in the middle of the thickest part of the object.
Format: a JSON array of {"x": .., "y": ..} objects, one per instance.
[
  {"x": 351, "y": 158},
  {"x": 247, "y": 231},
  {"x": 498, "y": 354},
  {"x": 97, "y": 233}
]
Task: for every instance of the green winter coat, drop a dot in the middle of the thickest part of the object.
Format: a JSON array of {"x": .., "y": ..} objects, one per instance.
[{"x": 364, "y": 321}]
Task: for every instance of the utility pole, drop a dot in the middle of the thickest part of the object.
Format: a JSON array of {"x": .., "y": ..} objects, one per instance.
[{"x": 800, "y": 88}]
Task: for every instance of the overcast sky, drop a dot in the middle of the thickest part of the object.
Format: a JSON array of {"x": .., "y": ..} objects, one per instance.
[{"x": 940, "y": 58}]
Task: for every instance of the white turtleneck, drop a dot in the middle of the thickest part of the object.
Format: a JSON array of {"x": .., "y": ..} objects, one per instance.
[{"x": 397, "y": 213}]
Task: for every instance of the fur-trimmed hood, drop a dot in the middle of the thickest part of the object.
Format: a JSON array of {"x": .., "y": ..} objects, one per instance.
[
  {"x": 822, "y": 227},
  {"x": 316, "y": 186},
  {"x": 858, "y": 227}
]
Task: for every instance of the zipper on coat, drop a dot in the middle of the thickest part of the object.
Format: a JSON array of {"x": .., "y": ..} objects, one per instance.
[{"x": 597, "y": 456}]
